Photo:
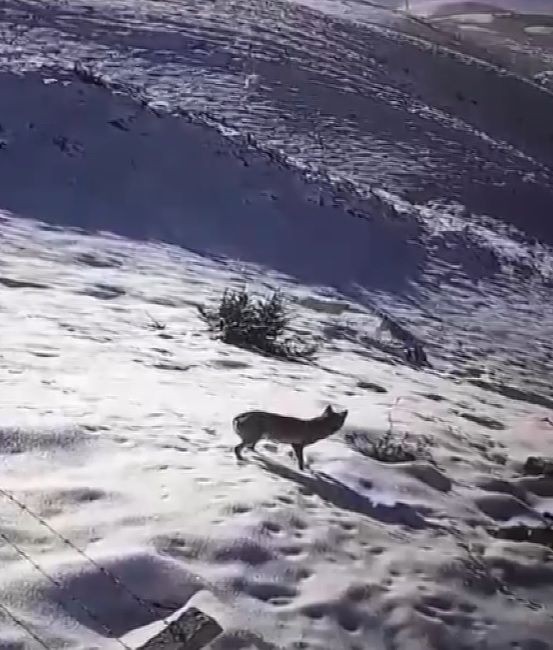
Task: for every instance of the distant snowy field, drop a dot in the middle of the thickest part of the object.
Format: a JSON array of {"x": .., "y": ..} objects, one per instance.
[{"x": 120, "y": 498}]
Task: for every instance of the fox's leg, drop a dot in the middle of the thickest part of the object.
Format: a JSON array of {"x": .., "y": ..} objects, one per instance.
[
  {"x": 238, "y": 450},
  {"x": 298, "y": 449},
  {"x": 250, "y": 442}
]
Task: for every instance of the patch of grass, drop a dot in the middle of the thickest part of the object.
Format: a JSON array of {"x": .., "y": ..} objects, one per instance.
[
  {"x": 386, "y": 449},
  {"x": 391, "y": 447},
  {"x": 433, "y": 396},
  {"x": 257, "y": 324}
]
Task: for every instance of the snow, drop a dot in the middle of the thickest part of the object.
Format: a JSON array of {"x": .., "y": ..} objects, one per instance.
[
  {"x": 483, "y": 19},
  {"x": 118, "y": 435},
  {"x": 539, "y": 30},
  {"x": 121, "y": 501}
]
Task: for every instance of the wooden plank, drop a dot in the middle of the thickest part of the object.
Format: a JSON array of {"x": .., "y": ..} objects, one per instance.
[{"x": 192, "y": 630}]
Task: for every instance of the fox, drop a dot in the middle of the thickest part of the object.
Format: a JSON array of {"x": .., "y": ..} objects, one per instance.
[{"x": 251, "y": 426}]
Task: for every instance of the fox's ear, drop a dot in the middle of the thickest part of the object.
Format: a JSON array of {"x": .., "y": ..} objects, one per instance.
[
  {"x": 344, "y": 414},
  {"x": 328, "y": 410}
]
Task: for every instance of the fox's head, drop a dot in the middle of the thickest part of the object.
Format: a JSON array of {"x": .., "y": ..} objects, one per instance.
[{"x": 334, "y": 418}]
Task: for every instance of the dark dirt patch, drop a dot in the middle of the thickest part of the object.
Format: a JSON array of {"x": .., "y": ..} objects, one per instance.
[
  {"x": 523, "y": 533},
  {"x": 172, "y": 366},
  {"x": 484, "y": 421},
  {"x": 368, "y": 385},
  {"x": 97, "y": 261},
  {"x": 10, "y": 283},
  {"x": 104, "y": 291},
  {"x": 514, "y": 393},
  {"x": 538, "y": 465},
  {"x": 231, "y": 364}
]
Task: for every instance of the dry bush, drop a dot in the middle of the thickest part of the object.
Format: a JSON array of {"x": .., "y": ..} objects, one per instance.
[{"x": 257, "y": 324}]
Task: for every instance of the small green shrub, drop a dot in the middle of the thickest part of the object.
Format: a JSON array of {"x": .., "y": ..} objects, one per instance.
[
  {"x": 257, "y": 324},
  {"x": 391, "y": 447}
]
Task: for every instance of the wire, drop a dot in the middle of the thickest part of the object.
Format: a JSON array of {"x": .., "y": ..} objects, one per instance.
[
  {"x": 22, "y": 625},
  {"x": 95, "y": 564},
  {"x": 57, "y": 584}
]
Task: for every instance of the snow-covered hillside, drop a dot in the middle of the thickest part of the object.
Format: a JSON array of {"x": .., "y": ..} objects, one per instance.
[
  {"x": 118, "y": 435},
  {"x": 121, "y": 211}
]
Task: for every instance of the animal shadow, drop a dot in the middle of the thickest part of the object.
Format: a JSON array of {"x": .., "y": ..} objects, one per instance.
[{"x": 336, "y": 493}]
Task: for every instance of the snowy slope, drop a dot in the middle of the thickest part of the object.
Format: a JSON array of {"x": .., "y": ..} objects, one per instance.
[
  {"x": 117, "y": 435},
  {"x": 120, "y": 498}
]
